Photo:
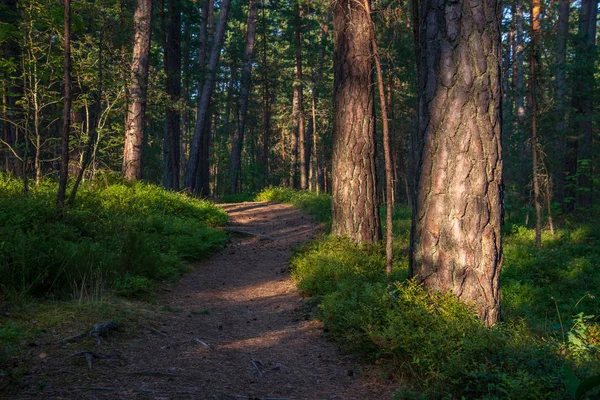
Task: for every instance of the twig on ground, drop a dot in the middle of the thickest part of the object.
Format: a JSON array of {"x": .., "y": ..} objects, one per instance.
[
  {"x": 99, "y": 330},
  {"x": 208, "y": 346},
  {"x": 158, "y": 332},
  {"x": 256, "y": 364},
  {"x": 89, "y": 356}
]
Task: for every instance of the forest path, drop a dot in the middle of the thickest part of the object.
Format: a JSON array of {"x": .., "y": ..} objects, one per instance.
[{"x": 237, "y": 329}]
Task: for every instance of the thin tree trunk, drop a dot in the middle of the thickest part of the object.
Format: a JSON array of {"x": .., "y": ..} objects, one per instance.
[
  {"x": 134, "y": 127},
  {"x": 205, "y": 97},
  {"x": 533, "y": 64},
  {"x": 238, "y": 137},
  {"x": 562, "y": 35},
  {"x": 387, "y": 153},
  {"x": 457, "y": 210},
  {"x": 172, "y": 53},
  {"x": 93, "y": 131},
  {"x": 266, "y": 112},
  {"x": 299, "y": 154},
  {"x": 355, "y": 208},
  {"x": 518, "y": 72},
  {"x": 584, "y": 105},
  {"x": 64, "y": 163}
]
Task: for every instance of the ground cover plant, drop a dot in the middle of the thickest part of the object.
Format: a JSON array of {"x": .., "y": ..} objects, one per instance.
[
  {"x": 116, "y": 236},
  {"x": 433, "y": 345}
]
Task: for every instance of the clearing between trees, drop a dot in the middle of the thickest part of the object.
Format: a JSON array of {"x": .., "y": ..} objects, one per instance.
[{"x": 234, "y": 328}]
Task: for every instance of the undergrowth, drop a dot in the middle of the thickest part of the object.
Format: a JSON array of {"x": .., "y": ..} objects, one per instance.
[
  {"x": 117, "y": 236},
  {"x": 317, "y": 205},
  {"x": 434, "y": 346}
]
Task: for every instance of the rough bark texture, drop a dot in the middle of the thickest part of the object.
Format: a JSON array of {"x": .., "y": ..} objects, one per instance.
[
  {"x": 533, "y": 71},
  {"x": 299, "y": 149},
  {"x": 387, "y": 153},
  {"x": 134, "y": 126},
  {"x": 519, "y": 60},
  {"x": 456, "y": 236},
  {"x": 235, "y": 164},
  {"x": 266, "y": 101},
  {"x": 204, "y": 99},
  {"x": 64, "y": 153},
  {"x": 355, "y": 209},
  {"x": 172, "y": 140}
]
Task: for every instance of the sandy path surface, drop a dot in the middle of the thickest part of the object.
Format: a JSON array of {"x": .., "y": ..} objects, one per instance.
[{"x": 237, "y": 330}]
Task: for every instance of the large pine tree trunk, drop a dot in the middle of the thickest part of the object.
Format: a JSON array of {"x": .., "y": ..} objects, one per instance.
[
  {"x": 235, "y": 164},
  {"x": 456, "y": 235},
  {"x": 355, "y": 208},
  {"x": 64, "y": 161},
  {"x": 172, "y": 139},
  {"x": 204, "y": 99},
  {"x": 136, "y": 114}
]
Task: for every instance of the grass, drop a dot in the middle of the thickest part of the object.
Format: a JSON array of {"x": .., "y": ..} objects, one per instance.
[
  {"x": 60, "y": 272},
  {"x": 317, "y": 205},
  {"x": 432, "y": 345},
  {"x": 117, "y": 236}
]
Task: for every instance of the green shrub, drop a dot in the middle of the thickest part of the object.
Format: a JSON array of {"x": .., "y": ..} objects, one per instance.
[
  {"x": 316, "y": 205},
  {"x": 112, "y": 232},
  {"x": 434, "y": 345}
]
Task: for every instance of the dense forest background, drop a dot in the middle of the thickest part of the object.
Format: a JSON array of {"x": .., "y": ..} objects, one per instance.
[{"x": 235, "y": 100}]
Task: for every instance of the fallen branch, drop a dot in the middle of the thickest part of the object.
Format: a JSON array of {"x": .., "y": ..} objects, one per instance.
[
  {"x": 99, "y": 330},
  {"x": 158, "y": 332},
  {"x": 208, "y": 346},
  {"x": 256, "y": 366}
]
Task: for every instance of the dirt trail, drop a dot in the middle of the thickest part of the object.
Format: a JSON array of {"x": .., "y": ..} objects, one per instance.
[{"x": 238, "y": 330}]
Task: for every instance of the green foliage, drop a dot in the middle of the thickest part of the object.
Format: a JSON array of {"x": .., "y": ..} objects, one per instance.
[
  {"x": 126, "y": 236},
  {"x": 434, "y": 345},
  {"x": 317, "y": 205}
]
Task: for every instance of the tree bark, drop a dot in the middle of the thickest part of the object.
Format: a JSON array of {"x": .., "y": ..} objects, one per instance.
[
  {"x": 93, "y": 131},
  {"x": 387, "y": 153},
  {"x": 205, "y": 97},
  {"x": 136, "y": 114},
  {"x": 235, "y": 164},
  {"x": 64, "y": 162},
  {"x": 299, "y": 153},
  {"x": 457, "y": 213},
  {"x": 562, "y": 35},
  {"x": 355, "y": 208},
  {"x": 519, "y": 60},
  {"x": 533, "y": 65},
  {"x": 172, "y": 140},
  {"x": 266, "y": 103}
]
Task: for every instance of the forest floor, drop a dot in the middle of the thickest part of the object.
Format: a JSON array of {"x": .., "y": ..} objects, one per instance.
[{"x": 234, "y": 328}]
